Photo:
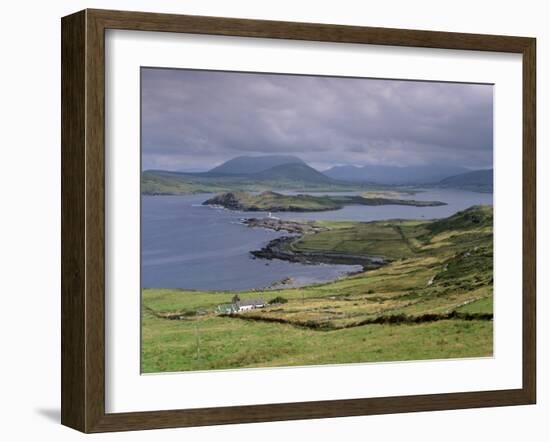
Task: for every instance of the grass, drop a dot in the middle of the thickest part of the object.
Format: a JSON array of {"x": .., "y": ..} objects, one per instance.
[
  {"x": 277, "y": 202},
  {"x": 436, "y": 268},
  {"x": 274, "y": 201},
  {"x": 226, "y": 343},
  {"x": 361, "y": 238},
  {"x": 483, "y": 305},
  {"x": 173, "y": 183}
]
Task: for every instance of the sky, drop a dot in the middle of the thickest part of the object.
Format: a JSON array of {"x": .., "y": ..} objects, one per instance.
[{"x": 194, "y": 120}]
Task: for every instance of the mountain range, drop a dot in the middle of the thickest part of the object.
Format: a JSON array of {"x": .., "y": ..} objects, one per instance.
[
  {"x": 248, "y": 173},
  {"x": 392, "y": 175},
  {"x": 477, "y": 180},
  {"x": 248, "y": 165}
]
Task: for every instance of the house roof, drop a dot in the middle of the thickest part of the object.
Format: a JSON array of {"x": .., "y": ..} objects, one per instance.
[{"x": 246, "y": 302}]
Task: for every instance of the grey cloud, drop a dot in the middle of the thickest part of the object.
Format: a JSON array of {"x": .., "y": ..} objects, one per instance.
[{"x": 194, "y": 120}]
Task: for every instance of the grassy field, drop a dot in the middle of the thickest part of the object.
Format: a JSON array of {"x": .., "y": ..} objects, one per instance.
[{"x": 433, "y": 300}]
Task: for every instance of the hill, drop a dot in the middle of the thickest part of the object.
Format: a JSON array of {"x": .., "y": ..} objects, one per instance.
[
  {"x": 272, "y": 172},
  {"x": 246, "y": 165},
  {"x": 478, "y": 180},
  {"x": 475, "y": 217},
  {"x": 396, "y": 175},
  {"x": 294, "y": 175},
  {"x": 431, "y": 299},
  {"x": 297, "y": 172}
]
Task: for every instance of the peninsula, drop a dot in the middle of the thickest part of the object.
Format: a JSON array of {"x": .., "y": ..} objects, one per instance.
[{"x": 277, "y": 202}]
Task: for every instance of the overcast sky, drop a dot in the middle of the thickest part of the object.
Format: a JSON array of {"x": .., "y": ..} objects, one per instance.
[{"x": 195, "y": 120}]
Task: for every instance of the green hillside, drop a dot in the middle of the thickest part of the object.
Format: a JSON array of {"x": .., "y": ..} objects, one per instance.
[
  {"x": 287, "y": 177},
  {"x": 433, "y": 300}
]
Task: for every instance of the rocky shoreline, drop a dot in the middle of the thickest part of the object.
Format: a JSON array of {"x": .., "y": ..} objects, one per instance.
[
  {"x": 276, "y": 224},
  {"x": 281, "y": 248}
]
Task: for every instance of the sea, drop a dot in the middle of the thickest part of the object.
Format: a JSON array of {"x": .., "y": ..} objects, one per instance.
[{"x": 190, "y": 246}]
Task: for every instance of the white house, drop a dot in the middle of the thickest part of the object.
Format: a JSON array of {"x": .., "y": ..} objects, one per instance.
[
  {"x": 249, "y": 304},
  {"x": 240, "y": 306}
]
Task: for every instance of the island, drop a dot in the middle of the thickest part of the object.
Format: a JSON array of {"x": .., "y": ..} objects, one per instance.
[{"x": 278, "y": 202}]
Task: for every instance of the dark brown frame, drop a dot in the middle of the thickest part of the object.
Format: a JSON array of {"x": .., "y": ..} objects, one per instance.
[{"x": 83, "y": 217}]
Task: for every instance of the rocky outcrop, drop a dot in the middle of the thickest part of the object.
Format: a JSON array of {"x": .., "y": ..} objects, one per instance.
[
  {"x": 282, "y": 225},
  {"x": 228, "y": 200},
  {"x": 281, "y": 248}
]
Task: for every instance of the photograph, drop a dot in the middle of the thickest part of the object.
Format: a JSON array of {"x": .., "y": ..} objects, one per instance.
[
  {"x": 292, "y": 220},
  {"x": 241, "y": 221}
]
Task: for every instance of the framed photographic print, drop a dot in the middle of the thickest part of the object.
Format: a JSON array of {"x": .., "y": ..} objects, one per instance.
[{"x": 270, "y": 220}]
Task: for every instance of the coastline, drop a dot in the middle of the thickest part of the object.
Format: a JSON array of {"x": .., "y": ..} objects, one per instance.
[
  {"x": 281, "y": 248},
  {"x": 236, "y": 269},
  {"x": 438, "y": 282}
]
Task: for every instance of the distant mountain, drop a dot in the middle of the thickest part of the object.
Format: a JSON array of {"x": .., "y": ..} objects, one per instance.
[
  {"x": 479, "y": 180},
  {"x": 394, "y": 174},
  {"x": 293, "y": 175},
  {"x": 247, "y": 173},
  {"x": 297, "y": 172},
  {"x": 246, "y": 165}
]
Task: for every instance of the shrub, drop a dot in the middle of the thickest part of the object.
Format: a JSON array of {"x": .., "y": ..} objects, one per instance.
[{"x": 278, "y": 300}]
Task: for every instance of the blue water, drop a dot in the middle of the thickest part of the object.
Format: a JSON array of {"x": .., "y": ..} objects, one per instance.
[
  {"x": 456, "y": 200},
  {"x": 187, "y": 245}
]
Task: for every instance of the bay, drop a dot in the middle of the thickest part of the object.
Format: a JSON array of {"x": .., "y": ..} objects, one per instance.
[{"x": 187, "y": 245}]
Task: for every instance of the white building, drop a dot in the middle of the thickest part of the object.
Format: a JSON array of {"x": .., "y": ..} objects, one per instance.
[{"x": 249, "y": 304}]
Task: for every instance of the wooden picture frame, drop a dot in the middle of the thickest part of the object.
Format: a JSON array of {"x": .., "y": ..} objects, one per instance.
[{"x": 83, "y": 220}]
